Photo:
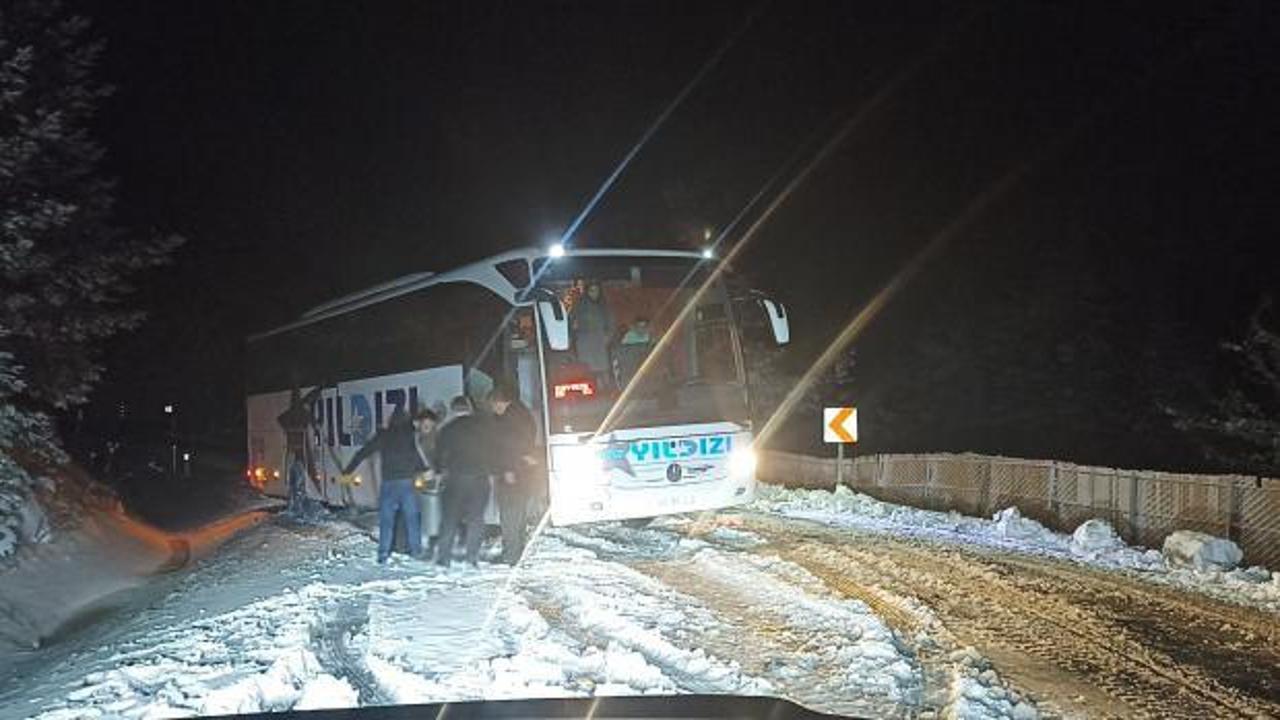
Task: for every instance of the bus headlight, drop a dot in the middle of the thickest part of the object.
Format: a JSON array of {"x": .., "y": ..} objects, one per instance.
[
  {"x": 742, "y": 461},
  {"x": 579, "y": 461}
]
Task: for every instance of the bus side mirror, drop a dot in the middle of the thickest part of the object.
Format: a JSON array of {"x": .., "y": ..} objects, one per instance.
[
  {"x": 555, "y": 322},
  {"x": 777, "y": 314}
]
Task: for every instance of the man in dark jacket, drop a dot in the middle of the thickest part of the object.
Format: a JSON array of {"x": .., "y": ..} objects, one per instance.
[
  {"x": 514, "y": 429},
  {"x": 463, "y": 453},
  {"x": 401, "y": 462}
]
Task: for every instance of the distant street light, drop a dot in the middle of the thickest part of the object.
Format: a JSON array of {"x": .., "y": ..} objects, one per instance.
[{"x": 168, "y": 409}]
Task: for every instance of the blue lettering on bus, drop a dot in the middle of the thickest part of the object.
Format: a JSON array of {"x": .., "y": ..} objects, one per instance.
[
  {"x": 352, "y": 420},
  {"x": 317, "y": 422},
  {"x": 328, "y": 424},
  {"x": 642, "y": 451},
  {"x": 361, "y": 419},
  {"x": 344, "y": 438},
  {"x": 395, "y": 398}
]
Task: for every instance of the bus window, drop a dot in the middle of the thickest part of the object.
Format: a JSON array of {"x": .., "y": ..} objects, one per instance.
[{"x": 632, "y": 340}]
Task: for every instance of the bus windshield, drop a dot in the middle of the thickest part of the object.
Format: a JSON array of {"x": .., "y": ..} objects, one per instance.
[{"x": 619, "y": 310}]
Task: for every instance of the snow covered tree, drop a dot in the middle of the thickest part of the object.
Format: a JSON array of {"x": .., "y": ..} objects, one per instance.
[
  {"x": 1242, "y": 426},
  {"x": 63, "y": 267}
]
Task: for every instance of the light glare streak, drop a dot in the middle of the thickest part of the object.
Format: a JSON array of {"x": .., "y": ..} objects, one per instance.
[{"x": 856, "y": 121}]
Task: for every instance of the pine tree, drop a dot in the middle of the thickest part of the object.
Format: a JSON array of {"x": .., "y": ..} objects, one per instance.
[
  {"x": 63, "y": 267},
  {"x": 1241, "y": 428}
]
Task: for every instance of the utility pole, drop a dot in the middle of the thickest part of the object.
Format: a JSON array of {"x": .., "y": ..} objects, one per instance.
[{"x": 173, "y": 440}]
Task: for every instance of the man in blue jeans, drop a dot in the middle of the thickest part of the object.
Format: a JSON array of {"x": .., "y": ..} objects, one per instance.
[{"x": 402, "y": 460}]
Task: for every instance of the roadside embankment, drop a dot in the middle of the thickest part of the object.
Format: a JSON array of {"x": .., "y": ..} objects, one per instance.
[{"x": 51, "y": 584}]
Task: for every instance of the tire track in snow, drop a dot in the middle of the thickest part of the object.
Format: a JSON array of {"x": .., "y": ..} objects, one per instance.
[
  {"x": 955, "y": 680},
  {"x": 331, "y": 643},
  {"x": 822, "y": 651},
  {"x": 605, "y": 604},
  {"x": 1238, "y": 647}
]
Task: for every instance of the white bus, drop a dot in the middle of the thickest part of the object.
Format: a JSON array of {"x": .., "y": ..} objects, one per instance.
[{"x": 680, "y": 440}]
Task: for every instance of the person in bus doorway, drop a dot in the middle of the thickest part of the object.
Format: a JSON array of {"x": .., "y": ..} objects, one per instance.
[
  {"x": 591, "y": 323},
  {"x": 396, "y": 446},
  {"x": 463, "y": 454},
  {"x": 514, "y": 428}
]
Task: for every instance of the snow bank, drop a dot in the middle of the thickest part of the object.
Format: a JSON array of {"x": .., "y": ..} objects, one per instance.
[
  {"x": 51, "y": 584},
  {"x": 1199, "y": 565},
  {"x": 1187, "y": 548},
  {"x": 22, "y": 521}
]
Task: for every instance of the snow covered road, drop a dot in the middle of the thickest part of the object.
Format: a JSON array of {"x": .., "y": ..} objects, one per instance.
[{"x": 834, "y": 607}]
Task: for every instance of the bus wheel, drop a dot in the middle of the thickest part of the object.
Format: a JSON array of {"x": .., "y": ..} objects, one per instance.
[{"x": 637, "y": 523}]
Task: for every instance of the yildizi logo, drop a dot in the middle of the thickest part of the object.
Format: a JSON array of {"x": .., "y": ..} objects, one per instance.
[
  {"x": 641, "y": 452},
  {"x": 625, "y": 455},
  {"x": 352, "y": 420}
]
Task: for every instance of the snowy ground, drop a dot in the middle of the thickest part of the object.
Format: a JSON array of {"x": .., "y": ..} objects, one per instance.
[{"x": 299, "y": 616}]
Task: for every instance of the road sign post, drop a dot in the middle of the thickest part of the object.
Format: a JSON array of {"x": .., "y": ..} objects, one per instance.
[{"x": 840, "y": 426}]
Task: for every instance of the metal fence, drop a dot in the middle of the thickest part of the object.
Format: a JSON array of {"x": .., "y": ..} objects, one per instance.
[{"x": 1144, "y": 506}]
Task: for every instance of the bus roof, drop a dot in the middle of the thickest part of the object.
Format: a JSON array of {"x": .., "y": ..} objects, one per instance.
[{"x": 481, "y": 272}]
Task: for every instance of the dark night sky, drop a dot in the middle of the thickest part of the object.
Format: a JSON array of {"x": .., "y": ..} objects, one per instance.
[{"x": 310, "y": 148}]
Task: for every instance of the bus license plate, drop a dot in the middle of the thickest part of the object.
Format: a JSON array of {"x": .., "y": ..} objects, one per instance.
[{"x": 676, "y": 501}]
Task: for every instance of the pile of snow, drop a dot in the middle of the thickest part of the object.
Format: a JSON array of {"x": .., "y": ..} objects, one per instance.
[
  {"x": 1188, "y": 548},
  {"x": 841, "y": 499},
  {"x": 279, "y": 688},
  {"x": 978, "y": 691},
  {"x": 1009, "y": 523},
  {"x": 1095, "y": 537},
  {"x": 327, "y": 691}
]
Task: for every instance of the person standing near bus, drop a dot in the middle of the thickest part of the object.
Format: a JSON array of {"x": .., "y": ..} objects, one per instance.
[
  {"x": 514, "y": 429},
  {"x": 427, "y": 423},
  {"x": 463, "y": 454},
  {"x": 401, "y": 463},
  {"x": 295, "y": 421}
]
